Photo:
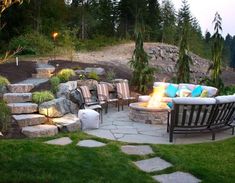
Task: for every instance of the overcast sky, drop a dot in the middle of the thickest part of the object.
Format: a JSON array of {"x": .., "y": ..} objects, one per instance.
[{"x": 204, "y": 11}]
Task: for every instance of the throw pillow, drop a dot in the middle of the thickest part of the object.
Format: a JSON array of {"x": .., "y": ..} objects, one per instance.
[
  {"x": 197, "y": 91},
  {"x": 204, "y": 94},
  {"x": 183, "y": 92},
  {"x": 171, "y": 90},
  {"x": 170, "y": 104}
]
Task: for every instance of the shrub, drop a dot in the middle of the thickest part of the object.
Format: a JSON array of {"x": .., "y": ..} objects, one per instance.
[
  {"x": 33, "y": 43},
  {"x": 65, "y": 74},
  {"x": 228, "y": 90},
  {"x": 93, "y": 75},
  {"x": 43, "y": 96},
  {"x": 55, "y": 81},
  {"x": 5, "y": 116},
  {"x": 110, "y": 75},
  {"x": 76, "y": 68},
  {"x": 3, "y": 81}
]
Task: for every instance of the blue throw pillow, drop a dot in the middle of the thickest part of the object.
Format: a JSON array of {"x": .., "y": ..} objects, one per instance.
[
  {"x": 170, "y": 104},
  {"x": 171, "y": 90},
  {"x": 197, "y": 91}
]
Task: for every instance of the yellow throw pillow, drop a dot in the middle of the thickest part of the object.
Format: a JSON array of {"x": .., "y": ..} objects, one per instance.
[{"x": 204, "y": 94}]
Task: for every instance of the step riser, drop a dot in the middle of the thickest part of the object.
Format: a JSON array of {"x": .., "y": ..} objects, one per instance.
[
  {"x": 17, "y": 98},
  {"x": 40, "y": 131},
  {"x": 44, "y": 72},
  {"x": 29, "y": 120},
  {"x": 20, "y": 88},
  {"x": 23, "y": 109},
  {"x": 43, "y": 76}
]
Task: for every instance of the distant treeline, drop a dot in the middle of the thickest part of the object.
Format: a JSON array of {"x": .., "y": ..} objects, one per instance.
[{"x": 89, "y": 19}]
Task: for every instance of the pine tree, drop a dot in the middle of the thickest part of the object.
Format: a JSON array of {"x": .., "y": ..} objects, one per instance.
[
  {"x": 142, "y": 72},
  {"x": 184, "y": 61}
]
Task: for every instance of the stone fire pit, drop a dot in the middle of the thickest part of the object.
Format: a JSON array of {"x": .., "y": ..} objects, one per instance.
[{"x": 139, "y": 112}]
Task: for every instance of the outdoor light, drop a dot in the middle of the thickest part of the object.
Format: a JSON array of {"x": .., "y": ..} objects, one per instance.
[
  {"x": 68, "y": 2},
  {"x": 54, "y": 35}
]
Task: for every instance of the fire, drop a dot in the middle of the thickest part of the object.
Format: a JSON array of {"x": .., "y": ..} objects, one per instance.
[{"x": 156, "y": 98}]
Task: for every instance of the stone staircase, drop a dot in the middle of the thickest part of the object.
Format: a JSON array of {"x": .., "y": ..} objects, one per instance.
[
  {"x": 19, "y": 100},
  {"x": 44, "y": 70}
]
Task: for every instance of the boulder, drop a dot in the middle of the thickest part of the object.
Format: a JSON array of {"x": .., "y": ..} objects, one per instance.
[
  {"x": 99, "y": 71},
  {"x": 57, "y": 107},
  {"x": 68, "y": 122},
  {"x": 66, "y": 88}
]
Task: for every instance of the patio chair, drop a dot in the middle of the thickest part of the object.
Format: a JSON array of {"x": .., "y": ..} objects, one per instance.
[
  {"x": 86, "y": 101},
  {"x": 123, "y": 92},
  {"x": 104, "y": 98}
]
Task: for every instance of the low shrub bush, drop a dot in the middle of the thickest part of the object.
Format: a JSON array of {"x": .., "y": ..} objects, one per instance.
[
  {"x": 5, "y": 117},
  {"x": 55, "y": 81},
  {"x": 43, "y": 96},
  {"x": 93, "y": 75},
  {"x": 4, "y": 81},
  {"x": 110, "y": 75},
  {"x": 33, "y": 43},
  {"x": 65, "y": 74},
  {"x": 228, "y": 90}
]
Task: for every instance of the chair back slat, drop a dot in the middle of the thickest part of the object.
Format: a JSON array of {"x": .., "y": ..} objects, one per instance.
[
  {"x": 184, "y": 115},
  {"x": 102, "y": 91},
  {"x": 191, "y": 115},
  {"x": 86, "y": 94},
  {"x": 198, "y": 114},
  {"x": 123, "y": 89}
]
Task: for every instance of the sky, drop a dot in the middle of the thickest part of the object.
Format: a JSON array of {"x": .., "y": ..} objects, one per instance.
[{"x": 204, "y": 11}]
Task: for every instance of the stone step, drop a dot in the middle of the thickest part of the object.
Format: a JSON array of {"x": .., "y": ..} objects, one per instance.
[
  {"x": 23, "y": 108},
  {"x": 40, "y": 131},
  {"x": 42, "y": 61},
  {"x": 42, "y": 76},
  {"x": 17, "y": 97},
  {"x": 24, "y": 120},
  {"x": 42, "y": 70},
  {"x": 20, "y": 88}
]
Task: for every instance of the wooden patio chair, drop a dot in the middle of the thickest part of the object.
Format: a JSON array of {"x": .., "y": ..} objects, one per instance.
[
  {"x": 104, "y": 98},
  {"x": 123, "y": 93}
]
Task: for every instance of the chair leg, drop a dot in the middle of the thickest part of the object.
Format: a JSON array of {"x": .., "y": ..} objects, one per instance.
[
  {"x": 118, "y": 105},
  {"x": 101, "y": 115},
  {"x": 233, "y": 130},
  {"x": 213, "y": 135}
]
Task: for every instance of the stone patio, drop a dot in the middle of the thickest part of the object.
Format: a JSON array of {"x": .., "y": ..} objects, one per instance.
[{"x": 118, "y": 126}]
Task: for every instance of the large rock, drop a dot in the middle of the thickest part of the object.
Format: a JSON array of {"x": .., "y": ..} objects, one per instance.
[
  {"x": 20, "y": 88},
  {"x": 23, "y": 108},
  {"x": 68, "y": 122},
  {"x": 66, "y": 88},
  {"x": 40, "y": 131},
  {"x": 57, "y": 108},
  {"x": 99, "y": 71},
  {"x": 17, "y": 97},
  {"x": 29, "y": 119},
  {"x": 91, "y": 83}
]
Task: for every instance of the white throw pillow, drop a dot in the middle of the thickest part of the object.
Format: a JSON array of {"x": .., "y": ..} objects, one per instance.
[{"x": 89, "y": 119}]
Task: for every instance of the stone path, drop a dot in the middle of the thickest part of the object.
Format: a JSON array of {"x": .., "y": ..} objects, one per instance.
[
  {"x": 118, "y": 126},
  {"x": 157, "y": 164},
  {"x": 60, "y": 141},
  {"x": 90, "y": 143}
]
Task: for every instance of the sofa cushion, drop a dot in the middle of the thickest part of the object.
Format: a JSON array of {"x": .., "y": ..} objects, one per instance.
[
  {"x": 171, "y": 90},
  {"x": 225, "y": 99},
  {"x": 156, "y": 84},
  {"x": 192, "y": 100},
  {"x": 189, "y": 86},
  {"x": 212, "y": 91},
  {"x": 197, "y": 91}
]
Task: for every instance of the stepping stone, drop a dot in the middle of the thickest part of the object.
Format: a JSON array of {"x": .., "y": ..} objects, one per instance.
[
  {"x": 60, "y": 141},
  {"x": 137, "y": 150},
  {"x": 176, "y": 177},
  {"x": 68, "y": 122},
  {"x": 20, "y": 88},
  {"x": 17, "y": 97},
  {"x": 34, "y": 81},
  {"x": 24, "y": 120},
  {"x": 23, "y": 108},
  {"x": 90, "y": 143},
  {"x": 153, "y": 164},
  {"x": 40, "y": 131}
]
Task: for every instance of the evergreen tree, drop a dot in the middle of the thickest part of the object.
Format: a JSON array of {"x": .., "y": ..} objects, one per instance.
[
  {"x": 168, "y": 22},
  {"x": 184, "y": 61},
  {"x": 217, "y": 48},
  {"x": 142, "y": 72}
]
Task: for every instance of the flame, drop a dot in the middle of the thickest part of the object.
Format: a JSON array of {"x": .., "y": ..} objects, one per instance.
[{"x": 156, "y": 98}]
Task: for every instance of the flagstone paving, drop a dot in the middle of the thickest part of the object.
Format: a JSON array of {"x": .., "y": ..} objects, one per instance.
[
  {"x": 153, "y": 164},
  {"x": 90, "y": 143},
  {"x": 176, "y": 177},
  {"x": 60, "y": 141},
  {"x": 118, "y": 126},
  {"x": 137, "y": 150}
]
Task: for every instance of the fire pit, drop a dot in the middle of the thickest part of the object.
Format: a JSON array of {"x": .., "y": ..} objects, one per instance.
[{"x": 153, "y": 111}]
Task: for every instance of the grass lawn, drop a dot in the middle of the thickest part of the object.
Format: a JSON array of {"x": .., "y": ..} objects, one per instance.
[{"x": 33, "y": 161}]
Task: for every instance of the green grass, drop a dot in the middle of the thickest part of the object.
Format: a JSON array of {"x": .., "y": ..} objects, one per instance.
[{"x": 33, "y": 161}]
